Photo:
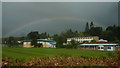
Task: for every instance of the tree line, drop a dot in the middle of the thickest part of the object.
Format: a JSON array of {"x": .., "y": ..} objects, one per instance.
[{"x": 111, "y": 33}]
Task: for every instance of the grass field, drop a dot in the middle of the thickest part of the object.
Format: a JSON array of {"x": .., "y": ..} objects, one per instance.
[
  {"x": 33, "y": 56},
  {"x": 50, "y": 52}
]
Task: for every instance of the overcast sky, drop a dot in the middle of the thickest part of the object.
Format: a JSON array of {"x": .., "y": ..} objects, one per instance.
[
  {"x": 60, "y": 0},
  {"x": 21, "y": 18}
]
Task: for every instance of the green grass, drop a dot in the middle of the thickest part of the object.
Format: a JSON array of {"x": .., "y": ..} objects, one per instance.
[{"x": 28, "y": 53}]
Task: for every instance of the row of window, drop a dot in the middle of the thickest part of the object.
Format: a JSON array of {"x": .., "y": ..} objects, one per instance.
[
  {"x": 92, "y": 47},
  {"x": 83, "y": 38},
  {"x": 103, "y": 47}
]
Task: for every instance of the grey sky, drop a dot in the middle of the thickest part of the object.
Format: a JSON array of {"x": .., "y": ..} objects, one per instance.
[
  {"x": 55, "y": 17},
  {"x": 60, "y": 0}
]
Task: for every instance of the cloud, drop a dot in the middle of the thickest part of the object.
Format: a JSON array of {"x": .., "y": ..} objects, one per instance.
[
  {"x": 60, "y": 0},
  {"x": 17, "y": 14}
]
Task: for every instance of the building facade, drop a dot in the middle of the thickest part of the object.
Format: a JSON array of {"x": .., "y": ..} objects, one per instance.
[
  {"x": 47, "y": 43},
  {"x": 27, "y": 43},
  {"x": 82, "y": 39},
  {"x": 40, "y": 43},
  {"x": 104, "y": 46}
]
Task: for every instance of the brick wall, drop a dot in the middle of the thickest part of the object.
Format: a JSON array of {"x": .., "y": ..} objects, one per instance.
[
  {"x": 27, "y": 46},
  {"x": 46, "y": 46},
  {"x": 96, "y": 38},
  {"x": 86, "y": 49},
  {"x": 105, "y": 48},
  {"x": 117, "y": 48},
  {"x": 96, "y": 48}
]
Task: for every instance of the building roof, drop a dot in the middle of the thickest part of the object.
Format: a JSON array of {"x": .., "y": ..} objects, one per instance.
[
  {"x": 100, "y": 43},
  {"x": 27, "y": 40},
  {"x": 83, "y": 37},
  {"x": 45, "y": 40}
]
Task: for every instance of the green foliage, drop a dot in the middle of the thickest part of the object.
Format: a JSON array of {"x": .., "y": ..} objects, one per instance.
[
  {"x": 95, "y": 31},
  {"x": 33, "y": 36},
  {"x": 11, "y": 41},
  {"x": 74, "y": 44},
  {"x": 38, "y": 45},
  {"x": 44, "y": 35},
  {"x": 113, "y": 31},
  {"x": 87, "y": 28},
  {"x": 91, "y": 25},
  {"x": 85, "y": 41},
  {"x": 93, "y": 40}
]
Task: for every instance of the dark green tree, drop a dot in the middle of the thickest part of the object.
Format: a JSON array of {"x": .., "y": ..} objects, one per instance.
[
  {"x": 95, "y": 31},
  {"x": 10, "y": 41},
  {"x": 43, "y": 35},
  {"x": 87, "y": 28},
  {"x": 113, "y": 31},
  {"x": 33, "y": 36},
  {"x": 92, "y": 25},
  {"x": 93, "y": 40},
  {"x": 74, "y": 44}
]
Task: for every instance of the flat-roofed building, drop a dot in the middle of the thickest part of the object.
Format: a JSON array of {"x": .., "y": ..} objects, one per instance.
[
  {"x": 82, "y": 39},
  {"x": 47, "y": 43},
  {"x": 104, "y": 46},
  {"x": 40, "y": 43}
]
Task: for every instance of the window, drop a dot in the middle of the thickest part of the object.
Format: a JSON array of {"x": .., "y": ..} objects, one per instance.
[
  {"x": 101, "y": 47},
  {"x": 98, "y": 47},
  {"x": 108, "y": 47}
]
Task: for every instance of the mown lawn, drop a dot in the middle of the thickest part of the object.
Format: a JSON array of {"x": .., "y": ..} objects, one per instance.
[{"x": 50, "y": 52}]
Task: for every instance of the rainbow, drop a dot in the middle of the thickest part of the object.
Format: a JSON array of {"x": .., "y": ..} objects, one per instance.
[{"x": 28, "y": 24}]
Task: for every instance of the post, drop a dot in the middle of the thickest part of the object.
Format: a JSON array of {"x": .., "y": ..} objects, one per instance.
[
  {"x": 105, "y": 48},
  {"x": 96, "y": 47}
]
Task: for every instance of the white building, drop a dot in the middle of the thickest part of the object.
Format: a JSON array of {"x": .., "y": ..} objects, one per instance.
[
  {"x": 47, "y": 43},
  {"x": 102, "y": 40},
  {"x": 82, "y": 39},
  {"x": 43, "y": 42},
  {"x": 104, "y": 46},
  {"x": 27, "y": 43}
]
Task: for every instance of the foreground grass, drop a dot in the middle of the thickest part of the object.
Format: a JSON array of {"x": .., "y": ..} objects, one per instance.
[{"x": 57, "y": 56}]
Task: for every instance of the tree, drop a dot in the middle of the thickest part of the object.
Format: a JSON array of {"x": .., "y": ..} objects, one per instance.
[
  {"x": 93, "y": 40},
  {"x": 87, "y": 27},
  {"x": 85, "y": 41},
  {"x": 43, "y": 35},
  {"x": 95, "y": 31},
  {"x": 91, "y": 25},
  {"x": 38, "y": 45},
  {"x": 10, "y": 41},
  {"x": 33, "y": 36},
  {"x": 113, "y": 31},
  {"x": 74, "y": 44}
]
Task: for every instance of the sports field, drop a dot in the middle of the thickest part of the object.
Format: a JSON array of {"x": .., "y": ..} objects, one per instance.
[
  {"x": 50, "y": 52},
  {"x": 64, "y": 57}
]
